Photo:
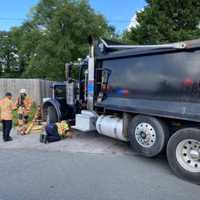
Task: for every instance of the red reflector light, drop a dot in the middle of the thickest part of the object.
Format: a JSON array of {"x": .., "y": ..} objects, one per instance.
[
  {"x": 188, "y": 82},
  {"x": 125, "y": 92}
]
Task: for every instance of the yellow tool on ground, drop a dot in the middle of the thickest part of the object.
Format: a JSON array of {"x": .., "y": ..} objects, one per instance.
[{"x": 34, "y": 125}]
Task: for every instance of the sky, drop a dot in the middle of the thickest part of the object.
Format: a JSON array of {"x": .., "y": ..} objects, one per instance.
[{"x": 117, "y": 12}]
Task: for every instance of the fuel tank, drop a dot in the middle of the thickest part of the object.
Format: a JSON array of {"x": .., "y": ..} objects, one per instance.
[
  {"x": 164, "y": 82},
  {"x": 111, "y": 126}
]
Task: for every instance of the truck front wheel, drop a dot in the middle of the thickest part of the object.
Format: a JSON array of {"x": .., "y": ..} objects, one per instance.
[
  {"x": 183, "y": 154},
  {"x": 52, "y": 116},
  {"x": 148, "y": 135}
]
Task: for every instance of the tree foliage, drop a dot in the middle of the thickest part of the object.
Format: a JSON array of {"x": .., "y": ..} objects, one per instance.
[
  {"x": 166, "y": 21},
  {"x": 55, "y": 33},
  {"x": 8, "y": 55}
]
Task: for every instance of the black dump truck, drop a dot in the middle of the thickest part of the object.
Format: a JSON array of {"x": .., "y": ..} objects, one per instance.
[{"x": 148, "y": 96}]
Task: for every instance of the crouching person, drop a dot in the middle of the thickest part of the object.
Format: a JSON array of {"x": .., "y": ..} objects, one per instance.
[{"x": 56, "y": 132}]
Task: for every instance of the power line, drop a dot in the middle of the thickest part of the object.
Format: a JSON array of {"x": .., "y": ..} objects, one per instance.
[
  {"x": 17, "y": 18},
  {"x": 113, "y": 20},
  {"x": 11, "y": 19},
  {"x": 109, "y": 20},
  {"x": 120, "y": 22}
]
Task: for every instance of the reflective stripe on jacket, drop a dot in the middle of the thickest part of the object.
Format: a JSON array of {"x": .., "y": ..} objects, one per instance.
[
  {"x": 27, "y": 103},
  {"x": 6, "y": 107},
  {"x": 25, "y": 109}
]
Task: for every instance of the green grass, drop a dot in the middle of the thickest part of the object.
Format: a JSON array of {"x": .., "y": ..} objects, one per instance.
[{"x": 15, "y": 115}]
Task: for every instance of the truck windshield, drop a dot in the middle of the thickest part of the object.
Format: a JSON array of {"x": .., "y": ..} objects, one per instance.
[{"x": 60, "y": 92}]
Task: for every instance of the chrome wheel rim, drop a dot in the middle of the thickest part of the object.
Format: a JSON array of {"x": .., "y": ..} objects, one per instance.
[
  {"x": 145, "y": 135},
  {"x": 188, "y": 155}
]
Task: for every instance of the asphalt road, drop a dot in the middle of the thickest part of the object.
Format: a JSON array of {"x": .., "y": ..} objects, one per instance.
[{"x": 52, "y": 175}]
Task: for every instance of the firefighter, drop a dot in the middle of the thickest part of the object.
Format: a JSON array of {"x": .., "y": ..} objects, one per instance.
[
  {"x": 56, "y": 132},
  {"x": 6, "y": 107},
  {"x": 24, "y": 104}
]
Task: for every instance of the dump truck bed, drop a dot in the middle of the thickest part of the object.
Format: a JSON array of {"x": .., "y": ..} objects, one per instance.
[{"x": 159, "y": 81}]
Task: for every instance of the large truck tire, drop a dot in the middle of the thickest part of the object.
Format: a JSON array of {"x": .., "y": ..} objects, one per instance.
[
  {"x": 183, "y": 154},
  {"x": 52, "y": 116},
  {"x": 148, "y": 135}
]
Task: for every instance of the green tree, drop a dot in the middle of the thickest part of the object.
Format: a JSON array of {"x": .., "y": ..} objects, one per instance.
[
  {"x": 26, "y": 39},
  {"x": 8, "y": 55},
  {"x": 166, "y": 21},
  {"x": 56, "y": 33}
]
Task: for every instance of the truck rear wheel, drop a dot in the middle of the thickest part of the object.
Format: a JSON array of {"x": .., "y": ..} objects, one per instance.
[
  {"x": 183, "y": 154},
  {"x": 51, "y": 115},
  {"x": 148, "y": 135}
]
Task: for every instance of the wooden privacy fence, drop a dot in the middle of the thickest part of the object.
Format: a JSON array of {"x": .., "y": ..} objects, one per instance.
[{"x": 37, "y": 89}]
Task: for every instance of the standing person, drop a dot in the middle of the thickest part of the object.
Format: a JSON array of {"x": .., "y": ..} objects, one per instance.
[
  {"x": 24, "y": 103},
  {"x": 6, "y": 107}
]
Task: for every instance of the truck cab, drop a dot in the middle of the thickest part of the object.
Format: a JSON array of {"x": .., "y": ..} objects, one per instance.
[{"x": 67, "y": 97}]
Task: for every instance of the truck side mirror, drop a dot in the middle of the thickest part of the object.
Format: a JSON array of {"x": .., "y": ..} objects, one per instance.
[
  {"x": 90, "y": 40},
  {"x": 68, "y": 71},
  {"x": 104, "y": 84},
  {"x": 105, "y": 75}
]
